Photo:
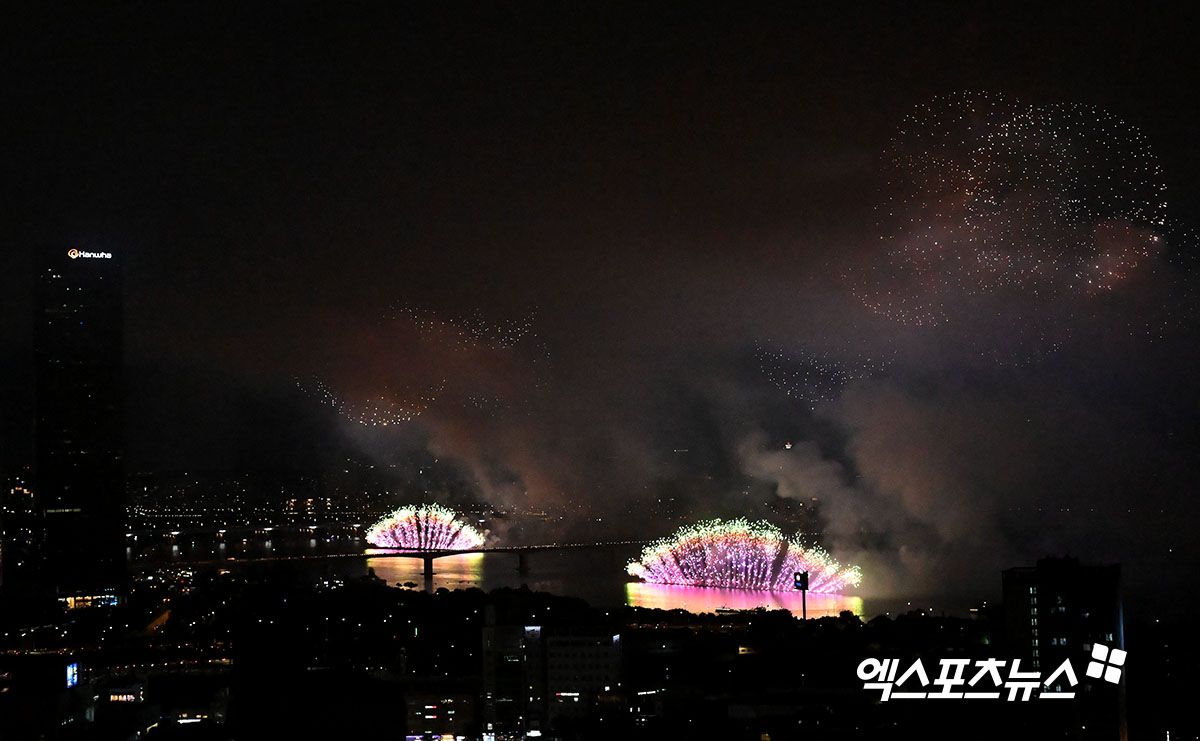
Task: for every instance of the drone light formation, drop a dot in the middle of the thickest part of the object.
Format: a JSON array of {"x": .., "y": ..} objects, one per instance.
[
  {"x": 740, "y": 554},
  {"x": 1022, "y": 228},
  {"x": 385, "y": 409},
  {"x": 813, "y": 377},
  {"x": 987, "y": 193},
  {"x": 472, "y": 332},
  {"x": 424, "y": 527}
]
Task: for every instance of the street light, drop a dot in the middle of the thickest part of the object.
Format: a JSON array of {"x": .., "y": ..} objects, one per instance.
[{"x": 800, "y": 581}]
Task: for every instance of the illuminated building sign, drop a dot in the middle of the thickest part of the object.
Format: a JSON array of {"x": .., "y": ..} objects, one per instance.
[
  {"x": 72, "y": 675},
  {"x": 75, "y": 254}
]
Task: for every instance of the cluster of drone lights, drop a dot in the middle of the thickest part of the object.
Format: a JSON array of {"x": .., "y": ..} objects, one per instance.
[
  {"x": 987, "y": 193},
  {"x": 470, "y": 332},
  {"x": 813, "y": 377},
  {"x": 740, "y": 554},
  {"x": 425, "y": 527},
  {"x": 380, "y": 410}
]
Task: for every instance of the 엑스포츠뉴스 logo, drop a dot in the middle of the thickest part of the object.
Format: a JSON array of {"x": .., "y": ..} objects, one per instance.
[
  {"x": 1107, "y": 662},
  {"x": 986, "y": 679}
]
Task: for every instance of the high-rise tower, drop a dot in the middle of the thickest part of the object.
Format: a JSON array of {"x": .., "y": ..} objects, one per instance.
[{"x": 78, "y": 473}]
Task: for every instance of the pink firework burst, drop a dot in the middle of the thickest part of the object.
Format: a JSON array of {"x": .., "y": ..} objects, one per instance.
[
  {"x": 425, "y": 527},
  {"x": 739, "y": 554}
]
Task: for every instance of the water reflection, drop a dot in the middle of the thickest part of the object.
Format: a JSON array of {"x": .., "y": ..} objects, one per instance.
[
  {"x": 704, "y": 599},
  {"x": 595, "y": 575},
  {"x": 452, "y": 572}
]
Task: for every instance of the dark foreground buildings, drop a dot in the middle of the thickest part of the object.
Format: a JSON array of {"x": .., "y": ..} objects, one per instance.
[
  {"x": 67, "y": 537},
  {"x": 1060, "y": 606},
  {"x": 264, "y": 651},
  {"x": 1061, "y": 609}
]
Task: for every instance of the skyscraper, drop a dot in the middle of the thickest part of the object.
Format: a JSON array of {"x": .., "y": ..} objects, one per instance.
[
  {"x": 1060, "y": 607},
  {"x": 78, "y": 475},
  {"x": 1058, "y": 610}
]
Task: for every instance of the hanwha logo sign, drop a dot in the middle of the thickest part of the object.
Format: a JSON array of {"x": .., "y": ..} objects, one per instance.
[{"x": 75, "y": 254}]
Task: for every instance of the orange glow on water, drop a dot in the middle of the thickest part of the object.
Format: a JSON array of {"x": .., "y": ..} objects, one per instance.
[{"x": 452, "y": 572}]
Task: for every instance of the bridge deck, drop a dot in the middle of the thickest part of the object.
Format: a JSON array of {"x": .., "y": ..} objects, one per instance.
[{"x": 397, "y": 553}]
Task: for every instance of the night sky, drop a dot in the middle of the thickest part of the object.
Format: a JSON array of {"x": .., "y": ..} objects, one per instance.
[{"x": 582, "y": 257}]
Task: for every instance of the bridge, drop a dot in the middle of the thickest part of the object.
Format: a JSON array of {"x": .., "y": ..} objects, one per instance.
[
  {"x": 427, "y": 556},
  {"x": 521, "y": 551}
]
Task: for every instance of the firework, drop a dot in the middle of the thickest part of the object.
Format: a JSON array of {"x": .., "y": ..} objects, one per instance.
[
  {"x": 425, "y": 527},
  {"x": 739, "y": 554}
]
